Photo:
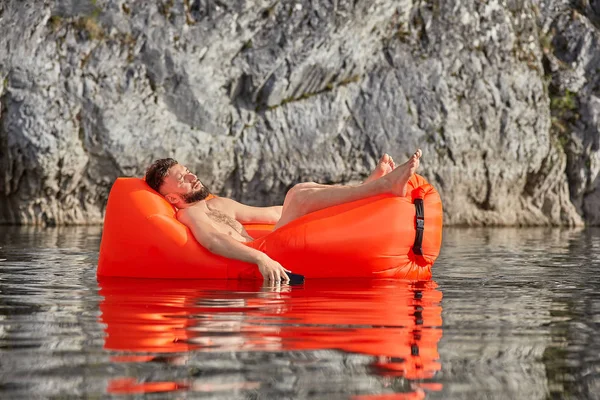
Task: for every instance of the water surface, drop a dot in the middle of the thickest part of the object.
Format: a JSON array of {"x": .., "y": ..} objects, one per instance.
[{"x": 510, "y": 314}]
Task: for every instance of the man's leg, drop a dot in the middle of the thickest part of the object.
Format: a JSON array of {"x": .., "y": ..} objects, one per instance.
[{"x": 308, "y": 197}]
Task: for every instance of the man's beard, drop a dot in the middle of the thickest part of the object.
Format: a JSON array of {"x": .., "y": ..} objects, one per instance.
[{"x": 196, "y": 196}]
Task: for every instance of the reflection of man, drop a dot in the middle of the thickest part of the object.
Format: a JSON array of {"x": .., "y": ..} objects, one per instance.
[
  {"x": 217, "y": 222},
  {"x": 181, "y": 319}
]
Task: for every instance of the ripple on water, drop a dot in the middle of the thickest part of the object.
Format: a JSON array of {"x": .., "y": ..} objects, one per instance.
[{"x": 515, "y": 315}]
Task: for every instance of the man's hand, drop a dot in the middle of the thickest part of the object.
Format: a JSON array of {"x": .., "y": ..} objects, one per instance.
[{"x": 271, "y": 270}]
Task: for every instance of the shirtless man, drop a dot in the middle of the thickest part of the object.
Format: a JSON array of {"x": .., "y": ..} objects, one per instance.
[{"x": 217, "y": 222}]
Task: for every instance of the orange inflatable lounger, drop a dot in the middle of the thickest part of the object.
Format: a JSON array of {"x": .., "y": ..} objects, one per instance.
[{"x": 379, "y": 237}]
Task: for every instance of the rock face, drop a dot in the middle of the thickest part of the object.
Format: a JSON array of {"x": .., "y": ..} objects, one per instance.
[
  {"x": 571, "y": 36},
  {"x": 256, "y": 96}
]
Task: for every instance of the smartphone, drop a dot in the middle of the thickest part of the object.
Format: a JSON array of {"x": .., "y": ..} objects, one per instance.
[{"x": 295, "y": 279}]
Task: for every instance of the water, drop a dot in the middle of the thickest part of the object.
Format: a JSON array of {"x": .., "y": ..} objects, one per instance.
[{"x": 511, "y": 314}]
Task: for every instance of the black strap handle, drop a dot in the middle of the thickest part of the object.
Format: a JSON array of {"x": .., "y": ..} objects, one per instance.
[{"x": 420, "y": 221}]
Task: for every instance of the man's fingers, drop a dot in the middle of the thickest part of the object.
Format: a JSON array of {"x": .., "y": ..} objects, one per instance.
[
  {"x": 273, "y": 275},
  {"x": 276, "y": 274}
]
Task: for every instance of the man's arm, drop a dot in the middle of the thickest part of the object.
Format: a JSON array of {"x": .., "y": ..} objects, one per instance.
[
  {"x": 248, "y": 214},
  {"x": 223, "y": 245}
]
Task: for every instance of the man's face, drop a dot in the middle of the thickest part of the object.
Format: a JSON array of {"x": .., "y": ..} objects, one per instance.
[{"x": 181, "y": 184}]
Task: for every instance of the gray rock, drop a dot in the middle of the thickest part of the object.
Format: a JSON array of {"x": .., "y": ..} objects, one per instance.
[
  {"x": 256, "y": 96},
  {"x": 572, "y": 64}
]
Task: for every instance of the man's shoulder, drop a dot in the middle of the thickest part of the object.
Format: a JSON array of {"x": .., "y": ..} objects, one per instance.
[
  {"x": 217, "y": 200},
  {"x": 221, "y": 202},
  {"x": 193, "y": 211},
  {"x": 225, "y": 206}
]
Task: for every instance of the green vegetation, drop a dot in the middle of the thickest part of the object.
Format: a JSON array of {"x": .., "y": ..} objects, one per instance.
[
  {"x": 351, "y": 79},
  {"x": 85, "y": 59},
  {"x": 165, "y": 8},
  {"x": 546, "y": 42},
  {"x": 128, "y": 41},
  {"x": 403, "y": 33},
  {"x": 247, "y": 45},
  {"x": 328, "y": 88},
  {"x": 55, "y": 22},
  {"x": 429, "y": 138},
  {"x": 96, "y": 11},
  {"x": 536, "y": 10},
  {"x": 564, "y": 103},
  {"x": 87, "y": 24},
  {"x": 562, "y": 134},
  {"x": 563, "y": 108},
  {"x": 90, "y": 27},
  {"x": 189, "y": 20},
  {"x": 270, "y": 10}
]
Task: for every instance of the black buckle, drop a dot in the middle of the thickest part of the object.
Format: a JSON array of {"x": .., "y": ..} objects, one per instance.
[
  {"x": 420, "y": 223},
  {"x": 420, "y": 227}
]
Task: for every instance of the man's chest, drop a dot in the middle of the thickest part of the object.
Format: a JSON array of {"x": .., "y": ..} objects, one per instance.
[{"x": 222, "y": 217}]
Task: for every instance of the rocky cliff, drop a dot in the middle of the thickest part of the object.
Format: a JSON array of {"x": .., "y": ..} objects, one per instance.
[{"x": 502, "y": 96}]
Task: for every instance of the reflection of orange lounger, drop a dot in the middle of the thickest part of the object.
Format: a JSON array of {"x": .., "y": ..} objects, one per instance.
[
  {"x": 399, "y": 322},
  {"x": 371, "y": 238}
]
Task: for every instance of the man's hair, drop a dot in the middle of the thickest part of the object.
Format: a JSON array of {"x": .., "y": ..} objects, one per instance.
[{"x": 155, "y": 174}]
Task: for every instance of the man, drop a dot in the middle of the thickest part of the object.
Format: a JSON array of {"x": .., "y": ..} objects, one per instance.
[{"x": 217, "y": 222}]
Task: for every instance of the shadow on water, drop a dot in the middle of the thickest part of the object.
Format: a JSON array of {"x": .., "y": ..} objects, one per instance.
[{"x": 394, "y": 324}]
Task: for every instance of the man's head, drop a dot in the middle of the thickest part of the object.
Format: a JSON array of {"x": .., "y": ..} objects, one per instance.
[{"x": 175, "y": 182}]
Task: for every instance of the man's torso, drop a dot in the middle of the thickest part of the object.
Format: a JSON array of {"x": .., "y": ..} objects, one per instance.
[{"x": 221, "y": 218}]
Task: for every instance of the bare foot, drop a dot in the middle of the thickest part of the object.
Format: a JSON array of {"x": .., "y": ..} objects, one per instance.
[
  {"x": 384, "y": 167},
  {"x": 400, "y": 176}
]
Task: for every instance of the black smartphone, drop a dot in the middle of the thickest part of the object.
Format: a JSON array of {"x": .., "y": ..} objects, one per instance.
[{"x": 295, "y": 279}]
